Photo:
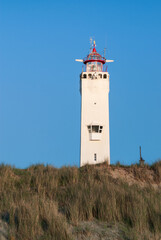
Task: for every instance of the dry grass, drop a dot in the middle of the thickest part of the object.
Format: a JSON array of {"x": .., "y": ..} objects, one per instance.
[
  {"x": 41, "y": 202},
  {"x": 156, "y": 167}
]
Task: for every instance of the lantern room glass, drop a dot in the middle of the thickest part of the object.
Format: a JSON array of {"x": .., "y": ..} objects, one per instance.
[{"x": 94, "y": 67}]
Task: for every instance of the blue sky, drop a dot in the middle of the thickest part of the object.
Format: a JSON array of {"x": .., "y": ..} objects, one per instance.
[{"x": 39, "y": 78}]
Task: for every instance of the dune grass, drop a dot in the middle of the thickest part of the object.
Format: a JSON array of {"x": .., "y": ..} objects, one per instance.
[{"x": 42, "y": 202}]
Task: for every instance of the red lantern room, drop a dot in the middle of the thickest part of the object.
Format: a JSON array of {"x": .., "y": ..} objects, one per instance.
[{"x": 94, "y": 61}]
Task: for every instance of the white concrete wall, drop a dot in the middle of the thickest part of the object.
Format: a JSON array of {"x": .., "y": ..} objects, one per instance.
[{"x": 94, "y": 109}]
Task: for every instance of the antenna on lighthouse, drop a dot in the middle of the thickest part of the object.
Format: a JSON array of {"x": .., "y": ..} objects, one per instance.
[
  {"x": 104, "y": 53},
  {"x": 91, "y": 40}
]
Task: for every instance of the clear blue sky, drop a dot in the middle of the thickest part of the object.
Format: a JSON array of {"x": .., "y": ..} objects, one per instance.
[{"x": 39, "y": 79}]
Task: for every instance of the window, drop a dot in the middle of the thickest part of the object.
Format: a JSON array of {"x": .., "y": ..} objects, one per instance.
[
  {"x": 89, "y": 129},
  {"x": 100, "y": 129},
  {"x": 95, "y": 132},
  {"x": 90, "y": 75},
  {"x": 105, "y": 76},
  {"x": 100, "y": 75},
  {"x": 95, "y": 128},
  {"x": 95, "y": 157},
  {"x": 99, "y": 67},
  {"x": 89, "y": 67},
  {"x": 84, "y": 76},
  {"x": 94, "y": 66}
]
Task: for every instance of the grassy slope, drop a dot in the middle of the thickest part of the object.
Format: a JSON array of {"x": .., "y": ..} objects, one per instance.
[{"x": 80, "y": 203}]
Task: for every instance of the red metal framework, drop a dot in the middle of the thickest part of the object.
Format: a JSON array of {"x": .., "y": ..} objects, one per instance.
[{"x": 94, "y": 57}]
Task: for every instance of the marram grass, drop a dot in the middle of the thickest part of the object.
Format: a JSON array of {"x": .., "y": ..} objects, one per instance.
[{"x": 43, "y": 203}]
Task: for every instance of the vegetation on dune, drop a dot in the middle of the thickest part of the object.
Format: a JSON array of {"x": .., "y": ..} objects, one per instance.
[{"x": 43, "y": 202}]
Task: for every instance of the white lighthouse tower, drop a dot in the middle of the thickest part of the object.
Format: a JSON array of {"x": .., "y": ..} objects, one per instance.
[{"x": 94, "y": 88}]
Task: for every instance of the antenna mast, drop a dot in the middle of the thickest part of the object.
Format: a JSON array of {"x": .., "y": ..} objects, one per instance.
[
  {"x": 105, "y": 52},
  {"x": 91, "y": 40}
]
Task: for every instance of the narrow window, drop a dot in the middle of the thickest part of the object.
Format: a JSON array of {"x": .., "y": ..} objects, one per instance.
[
  {"x": 95, "y": 157},
  {"x": 89, "y": 128},
  {"x": 90, "y": 75},
  {"x": 104, "y": 76},
  {"x": 100, "y": 75},
  {"x": 84, "y": 76},
  {"x": 100, "y": 129}
]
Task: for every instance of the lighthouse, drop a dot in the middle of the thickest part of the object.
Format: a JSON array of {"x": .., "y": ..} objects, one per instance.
[{"x": 94, "y": 89}]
